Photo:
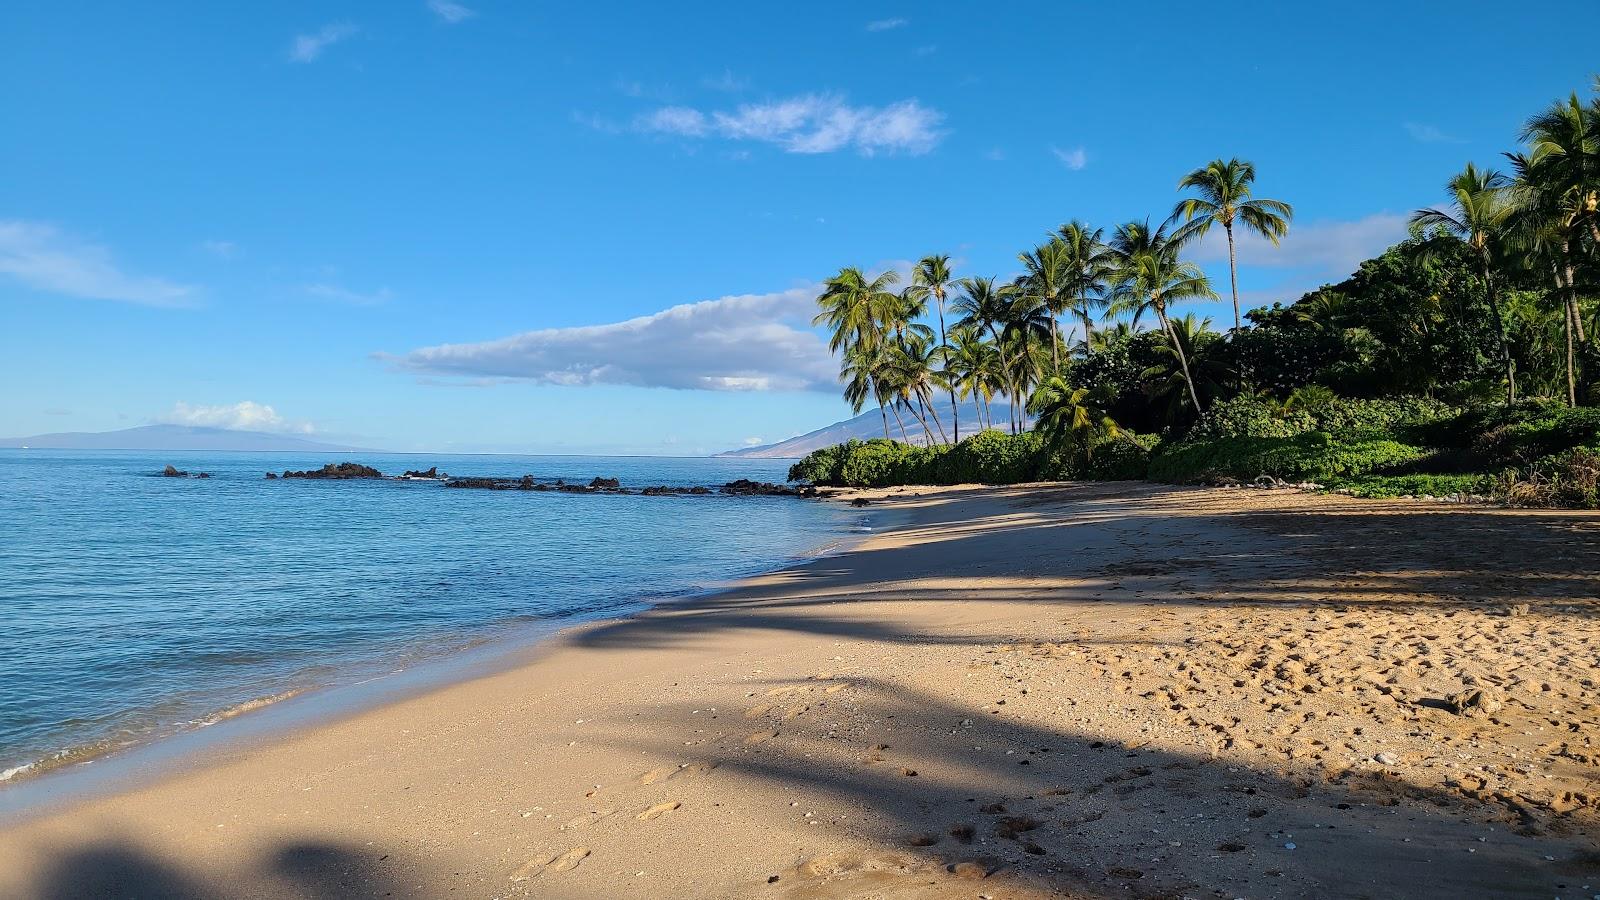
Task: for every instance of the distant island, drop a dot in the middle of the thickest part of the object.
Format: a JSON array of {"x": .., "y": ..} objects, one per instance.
[
  {"x": 866, "y": 426},
  {"x": 173, "y": 437}
]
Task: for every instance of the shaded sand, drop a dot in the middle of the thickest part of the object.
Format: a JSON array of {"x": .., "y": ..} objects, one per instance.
[{"x": 1079, "y": 691}]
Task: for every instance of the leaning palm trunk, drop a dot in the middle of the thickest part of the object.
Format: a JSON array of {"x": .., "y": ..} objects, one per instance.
[
  {"x": 894, "y": 407},
  {"x": 928, "y": 403},
  {"x": 1005, "y": 366},
  {"x": 1088, "y": 327},
  {"x": 944, "y": 351},
  {"x": 1183, "y": 358},
  {"x": 1055, "y": 347},
  {"x": 1572, "y": 384},
  {"x": 920, "y": 412}
]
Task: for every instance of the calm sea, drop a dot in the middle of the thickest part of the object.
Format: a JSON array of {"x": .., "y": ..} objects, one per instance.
[{"x": 136, "y": 605}]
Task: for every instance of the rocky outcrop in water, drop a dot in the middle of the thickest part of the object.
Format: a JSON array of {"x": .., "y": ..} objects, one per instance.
[
  {"x": 744, "y": 487},
  {"x": 430, "y": 474},
  {"x": 175, "y": 472},
  {"x": 337, "y": 472},
  {"x": 605, "y": 484}
]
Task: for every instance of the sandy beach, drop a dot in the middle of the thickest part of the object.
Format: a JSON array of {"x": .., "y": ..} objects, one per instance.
[{"x": 1114, "y": 690}]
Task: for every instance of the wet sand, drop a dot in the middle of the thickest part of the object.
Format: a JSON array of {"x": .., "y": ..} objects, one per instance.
[{"x": 1078, "y": 691}]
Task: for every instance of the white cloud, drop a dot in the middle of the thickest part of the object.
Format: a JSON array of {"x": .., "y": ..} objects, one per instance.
[
  {"x": 345, "y": 295},
  {"x": 887, "y": 24},
  {"x": 1430, "y": 134},
  {"x": 243, "y": 416},
  {"x": 680, "y": 120},
  {"x": 1074, "y": 159},
  {"x": 44, "y": 258},
  {"x": 752, "y": 442},
  {"x": 810, "y": 123},
  {"x": 749, "y": 342},
  {"x": 220, "y": 249},
  {"x": 1331, "y": 248},
  {"x": 307, "y": 47},
  {"x": 727, "y": 81},
  {"x": 451, "y": 13}
]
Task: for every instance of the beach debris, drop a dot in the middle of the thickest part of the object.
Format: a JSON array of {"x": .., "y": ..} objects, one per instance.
[
  {"x": 1473, "y": 702},
  {"x": 337, "y": 472},
  {"x": 1386, "y": 759}
]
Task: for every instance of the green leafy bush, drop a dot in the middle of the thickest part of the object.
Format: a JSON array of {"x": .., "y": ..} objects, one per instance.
[
  {"x": 1247, "y": 416},
  {"x": 1315, "y": 456},
  {"x": 1123, "y": 458},
  {"x": 1398, "y": 415},
  {"x": 1386, "y": 486}
]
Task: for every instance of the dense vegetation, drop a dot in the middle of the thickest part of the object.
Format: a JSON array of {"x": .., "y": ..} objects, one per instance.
[{"x": 1464, "y": 359}]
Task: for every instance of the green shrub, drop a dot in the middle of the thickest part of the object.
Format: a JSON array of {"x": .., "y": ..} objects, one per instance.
[
  {"x": 1399, "y": 415},
  {"x": 1568, "y": 480},
  {"x": 1123, "y": 458},
  {"x": 1315, "y": 456},
  {"x": 1247, "y": 416},
  {"x": 1386, "y": 486}
]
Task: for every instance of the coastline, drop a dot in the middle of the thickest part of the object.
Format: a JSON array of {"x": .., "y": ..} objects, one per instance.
[
  {"x": 76, "y": 774},
  {"x": 934, "y": 705}
]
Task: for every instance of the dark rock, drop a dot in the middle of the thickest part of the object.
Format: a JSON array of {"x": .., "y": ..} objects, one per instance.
[
  {"x": 697, "y": 489},
  {"x": 605, "y": 484},
  {"x": 658, "y": 491},
  {"x": 432, "y": 472},
  {"x": 272, "y": 476},
  {"x": 492, "y": 484},
  {"x": 747, "y": 488},
  {"x": 526, "y": 484},
  {"x": 202, "y": 474},
  {"x": 860, "y": 501},
  {"x": 171, "y": 472},
  {"x": 338, "y": 472}
]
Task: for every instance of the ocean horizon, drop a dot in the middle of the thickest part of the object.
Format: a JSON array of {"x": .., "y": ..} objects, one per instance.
[{"x": 141, "y": 606}]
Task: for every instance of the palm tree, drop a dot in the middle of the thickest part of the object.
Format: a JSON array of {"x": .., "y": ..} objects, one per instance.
[
  {"x": 1064, "y": 411},
  {"x": 985, "y": 306},
  {"x": 860, "y": 370},
  {"x": 1224, "y": 189},
  {"x": 1148, "y": 274},
  {"x": 1191, "y": 338},
  {"x": 855, "y": 307},
  {"x": 933, "y": 275},
  {"x": 1028, "y": 326},
  {"x": 912, "y": 361},
  {"x": 972, "y": 369},
  {"x": 1087, "y": 271},
  {"x": 1045, "y": 278},
  {"x": 1479, "y": 218}
]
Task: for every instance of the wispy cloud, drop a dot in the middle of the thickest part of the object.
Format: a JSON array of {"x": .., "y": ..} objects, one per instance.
[
  {"x": 750, "y": 342},
  {"x": 679, "y": 120},
  {"x": 811, "y": 123},
  {"x": 451, "y": 13},
  {"x": 1334, "y": 247},
  {"x": 1430, "y": 134},
  {"x": 246, "y": 415},
  {"x": 339, "y": 294},
  {"x": 1074, "y": 159},
  {"x": 887, "y": 24},
  {"x": 726, "y": 82},
  {"x": 47, "y": 259},
  {"x": 307, "y": 47},
  {"x": 220, "y": 249}
]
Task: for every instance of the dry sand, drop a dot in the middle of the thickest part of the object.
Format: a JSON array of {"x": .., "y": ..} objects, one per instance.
[{"x": 1079, "y": 691}]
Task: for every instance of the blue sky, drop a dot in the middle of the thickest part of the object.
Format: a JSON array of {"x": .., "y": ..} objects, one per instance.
[{"x": 417, "y": 225}]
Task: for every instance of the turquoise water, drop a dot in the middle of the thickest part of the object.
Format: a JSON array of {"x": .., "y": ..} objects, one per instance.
[{"x": 136, "y": 605}]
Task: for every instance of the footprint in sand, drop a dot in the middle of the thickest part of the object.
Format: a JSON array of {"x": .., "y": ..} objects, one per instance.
[
  {"x": 837, "y": 688},
  {"x": 756, "y": 712},
  {"x": 761, "y": 737},
  {"x": 657, "y": 811},
  {"x": 552, "y": 863}
]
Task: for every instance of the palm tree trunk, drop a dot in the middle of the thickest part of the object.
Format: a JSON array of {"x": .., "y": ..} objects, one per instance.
[
  {"x": 1233, "y": 276},
  {"x": 1088, "y": 327},
  {"x": 885, "y": 415},
  {"x": 1183, "y": 359},
  {"x": 944, "y": 351},
  {"x": 1055, "y": 347},
  {"x": 921, "y": 413},
  {"x": 1005, "y": 367},
  {"x": 894, "y": 407},
  {"x": 1572, "y": 384},
  {"x": 944, "y": 438},
  {"x": 1500, "y": 331}
]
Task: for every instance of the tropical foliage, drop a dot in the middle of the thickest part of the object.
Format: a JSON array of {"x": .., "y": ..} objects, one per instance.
[{"x": 1465, "y": 356}]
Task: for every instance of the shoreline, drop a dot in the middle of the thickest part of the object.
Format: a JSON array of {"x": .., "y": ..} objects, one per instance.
[
  {"x": 1034, "y": 691},
  {"x": 81, "y": 773}
]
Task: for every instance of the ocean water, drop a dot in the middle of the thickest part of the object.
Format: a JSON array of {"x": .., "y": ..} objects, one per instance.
[{"x": 135, "y": 605}]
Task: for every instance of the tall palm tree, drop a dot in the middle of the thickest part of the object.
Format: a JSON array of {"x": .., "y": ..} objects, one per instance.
[
  {"x": 860, "y": 369},
  {"x": 933, "y": 275},
  {"x": 1029, "y": 326},
  {"x": 915, "y": 378},
  {"x": 855, "y": 307},
  {"x": 1087, "y": 271},
  {"x": 1479, "y": 214},
  {"x": 1224, "y": 189},
  {"x": 973, "y": 369},
  {"x": 1046, "y": 275},
  {"x": 1149, "y": 274},
  {"x": 985, "y": 306}
]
